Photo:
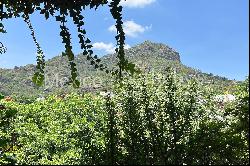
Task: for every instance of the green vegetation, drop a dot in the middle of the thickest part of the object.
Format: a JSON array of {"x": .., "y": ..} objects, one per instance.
[
  {"x": 148, "y": 119},
  {"x": 170, "y": 118},
  {"x": 148, "y": 56},
  {"x": 61, "y": 10}
]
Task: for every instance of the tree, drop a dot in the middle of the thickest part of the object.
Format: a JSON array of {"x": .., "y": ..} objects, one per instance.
[{"x": 60, "y": 9}]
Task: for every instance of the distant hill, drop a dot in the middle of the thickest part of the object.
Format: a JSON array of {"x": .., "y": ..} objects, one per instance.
[{"x": 147, "y": 56}]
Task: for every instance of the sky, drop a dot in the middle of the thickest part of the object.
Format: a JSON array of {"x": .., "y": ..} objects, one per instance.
[{"x": 210, "y": 35}]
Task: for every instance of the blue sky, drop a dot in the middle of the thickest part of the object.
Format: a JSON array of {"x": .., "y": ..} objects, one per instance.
[{"x": 210, "y": 35}]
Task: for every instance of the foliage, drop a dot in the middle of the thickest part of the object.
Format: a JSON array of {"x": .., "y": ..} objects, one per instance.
[
  {"x": 7, "y": 136},
  {"x": 151, "y": 119},
  {"x": 2, "y": 48},
  {"x": 60, "y": 131},
  {"x": 60, "y": 9},
  {"x": 1, "y": 96},
  {"x": 147, "y": 56},
  {"x": 240, "y": 111}
]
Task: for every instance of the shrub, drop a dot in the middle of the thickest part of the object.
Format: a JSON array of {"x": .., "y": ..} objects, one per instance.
[{"x": 151, "y": 119}]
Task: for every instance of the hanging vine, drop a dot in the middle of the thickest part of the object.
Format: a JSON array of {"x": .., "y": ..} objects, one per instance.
[
  {"x": 38, "y": 77},
  {"x": 2, "y": 47},
  {"x": 60, "y": 9}
]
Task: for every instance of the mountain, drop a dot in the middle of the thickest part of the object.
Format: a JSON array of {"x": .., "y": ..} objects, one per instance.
[{"x": 148, "y": 56}]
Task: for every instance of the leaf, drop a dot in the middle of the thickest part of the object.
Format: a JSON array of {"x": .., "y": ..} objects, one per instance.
[
  {"x": 58, "y": 18},
  {"x": 88, "y": 41},
  {"x": 88, "y": 57},
  {"x": 46, "y": 15},
  {"x": 1, "y": 96},
  {"x": 38, "y": 79},
  {"x": 89, "y": 46},
  {"x": 76, "y": 84}
]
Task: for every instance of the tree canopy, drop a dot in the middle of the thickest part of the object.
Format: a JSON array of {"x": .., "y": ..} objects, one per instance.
[{"x": 61, "y": 10}]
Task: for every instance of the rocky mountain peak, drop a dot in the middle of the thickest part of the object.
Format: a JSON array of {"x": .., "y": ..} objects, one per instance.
[{"x": 149, "y": 48}]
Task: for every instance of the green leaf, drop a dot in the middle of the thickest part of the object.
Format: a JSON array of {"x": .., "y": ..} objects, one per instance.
[
  {"x": 46, "y": 15},
  {"x": 38, "y": 79},
  {"x": 88, "y": 41}
]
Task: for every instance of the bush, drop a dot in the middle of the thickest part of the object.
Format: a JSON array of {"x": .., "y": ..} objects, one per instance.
[
  {"x": 7, "y": 135},
  {"x": 150, "y": 119}
]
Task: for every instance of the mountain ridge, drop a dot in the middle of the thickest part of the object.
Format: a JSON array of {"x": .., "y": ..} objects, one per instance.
[{"x": 148, "y": 56}]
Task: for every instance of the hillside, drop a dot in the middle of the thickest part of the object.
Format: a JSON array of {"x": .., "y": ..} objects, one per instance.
[{"x": 147, "y": 56}]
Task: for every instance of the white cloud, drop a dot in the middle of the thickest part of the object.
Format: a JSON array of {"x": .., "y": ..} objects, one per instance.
[
  {"x": 127, "y": 46},
  {"x": 136, "y": 3},
  {"x": 131, "y": 28},
  {"x": 107, "y": 47}
]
